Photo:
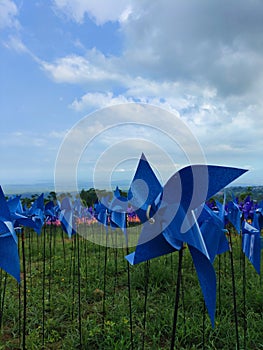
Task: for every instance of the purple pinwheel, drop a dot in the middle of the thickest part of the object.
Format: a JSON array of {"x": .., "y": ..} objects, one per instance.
[
  {"x": 247, "y": 208},
  {"x": 168, "y": 215}
]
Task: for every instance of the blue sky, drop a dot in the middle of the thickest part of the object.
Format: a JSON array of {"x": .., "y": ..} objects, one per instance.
[{"x": 198, "y": 63}]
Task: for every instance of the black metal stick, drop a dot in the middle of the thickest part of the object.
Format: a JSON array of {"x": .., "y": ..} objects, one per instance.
[
  {"x": 24, "y": 290},
  {"x": 73, "y": 274},
  {"x": 3, "y": 299},
  {"x": 129, "y": 292},
  {"x": 104, "y": 281},
  {"x": 177, "y": 295},
  {"x": 234, "y": 289},
  {"x": 244, "y": 302},
  {"x": 219, "y": 283},
  {"x": 43, "y": 287},
  {"x": 146, "y": 283},
  {"x": 79, "y": 294}
]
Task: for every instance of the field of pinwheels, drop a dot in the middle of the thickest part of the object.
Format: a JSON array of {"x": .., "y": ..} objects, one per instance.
[{"x": 139, "y": 271}]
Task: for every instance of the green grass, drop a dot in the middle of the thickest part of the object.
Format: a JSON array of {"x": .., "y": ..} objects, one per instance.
[{"x": 112, "y": 329}]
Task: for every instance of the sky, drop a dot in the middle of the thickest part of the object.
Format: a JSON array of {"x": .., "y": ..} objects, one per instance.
[{"x": 98, "y": 82}]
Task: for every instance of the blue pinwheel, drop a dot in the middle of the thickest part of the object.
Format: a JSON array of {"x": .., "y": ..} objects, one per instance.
[
  {"x": 16, "y": 210},
  {"x": 101, "y": 211},
  {"x": 171, "y": 208},
  {"x": 211, "y": 225},
  {"x": 258, "y": 216},
  {"x": 118, "y": 211},
  {"x": 9, "y": 258},
  {"x": 169, "y": 216},
  {"x": 50, "y": 213},
  {"x": 251, "y": 244},
  {"x": 113, "y": 212},
  {"x": 32, "y": 217},
  {"x": 36, "y": 213},
  {"x": 234, "y": 215},
  {"x": 77, "y": 207},
  {"x": 67, "y": 217}
]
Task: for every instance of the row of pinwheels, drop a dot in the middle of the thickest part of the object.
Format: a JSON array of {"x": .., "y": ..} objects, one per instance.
[
  {"x": 13, "y": 217},
  {"x": 171, "y": 215}
]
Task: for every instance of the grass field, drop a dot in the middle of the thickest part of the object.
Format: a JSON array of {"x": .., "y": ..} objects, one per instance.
[{"x": 77, "y": 296}]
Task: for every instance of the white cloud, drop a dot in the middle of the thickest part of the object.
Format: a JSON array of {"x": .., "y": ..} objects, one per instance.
[
  {"x": 74, "y": 69},
  {"x": 8, "y": 14},
  {"x": 101, "y": 11},
  {"x": 57, "y": 134},
  {"x": 16, "y": 44},
  {"x": 98, "y": 100},
  {"x": 29, "y": 139}
]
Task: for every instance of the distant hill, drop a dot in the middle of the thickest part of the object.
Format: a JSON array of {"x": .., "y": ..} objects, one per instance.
[
  {"x": 256, "y": 192},
  {"x": 27, "y": 190}
]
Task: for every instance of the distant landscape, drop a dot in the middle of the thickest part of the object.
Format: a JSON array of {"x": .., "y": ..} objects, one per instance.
[{"x": 28, "y": 190}]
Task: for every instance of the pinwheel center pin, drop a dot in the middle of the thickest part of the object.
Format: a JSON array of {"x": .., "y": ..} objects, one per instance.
[{"x": 150, "y": 220}]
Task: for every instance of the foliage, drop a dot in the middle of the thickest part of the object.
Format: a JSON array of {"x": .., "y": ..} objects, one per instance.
[{"x": 104, "y": 308}]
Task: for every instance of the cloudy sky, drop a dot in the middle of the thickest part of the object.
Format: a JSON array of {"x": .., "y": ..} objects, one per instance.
[{"x": 200, "y": 64}]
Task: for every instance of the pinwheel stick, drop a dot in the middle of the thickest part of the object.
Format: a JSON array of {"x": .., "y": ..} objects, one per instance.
[
  {"x": 219, "y": 283},
  {"x": 43, "y": 287},
  {"x": 244, "y": 301},
  {"x": 177, "y": 296},
  {"x": 2, "y": 297},
  {"x": 79, "y": 294},
  {"x": 129, "y": 296},
  {"x": 234, "y": 290},
  {"x": 104, "y": 281},
  {"x": 24, "y": 290},
  {"x": 146, "y": 283}
]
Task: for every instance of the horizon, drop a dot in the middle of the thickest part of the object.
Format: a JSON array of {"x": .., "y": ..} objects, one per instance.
[{"x": 46, "y": 187}]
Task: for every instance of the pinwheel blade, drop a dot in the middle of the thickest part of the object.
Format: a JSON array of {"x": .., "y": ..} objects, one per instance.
[
  {"x": 212, "y": 228},
  {"x": 207, "y": 279},
  {"x": 193, "y": 185},
  {"x": 144, "y": 189},
  {"x": 4, "y": 211},
  {"x": 9, "y": 259},
  {"x": 151, "y": 244},
  {"x": 234, "y": 215}
]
